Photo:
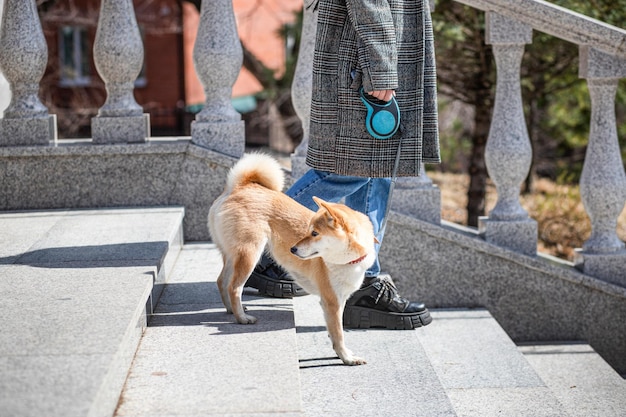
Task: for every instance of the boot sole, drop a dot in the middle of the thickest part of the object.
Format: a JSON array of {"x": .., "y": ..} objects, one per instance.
[
  {"x": 366, "y": 318},
  {"x": 274, "y": 288}
]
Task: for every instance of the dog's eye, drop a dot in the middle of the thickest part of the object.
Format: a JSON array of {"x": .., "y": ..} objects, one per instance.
[{"x": 314, "y": 233}]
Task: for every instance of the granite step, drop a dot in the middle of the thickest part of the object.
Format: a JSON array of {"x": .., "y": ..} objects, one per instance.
[
  {"x": 398, "y": 379},
  {"x": 581, "y": 380},
  {"x": 75, "y": 288},
  {"x": 481, "y": 369},
  {"x": 194, "y": 360}
]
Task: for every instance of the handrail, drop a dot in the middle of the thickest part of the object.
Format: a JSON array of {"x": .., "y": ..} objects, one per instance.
[{"x": 560, "y": 22}]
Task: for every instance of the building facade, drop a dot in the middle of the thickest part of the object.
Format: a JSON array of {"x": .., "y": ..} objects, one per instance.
[{"x": 167, "y": 87}]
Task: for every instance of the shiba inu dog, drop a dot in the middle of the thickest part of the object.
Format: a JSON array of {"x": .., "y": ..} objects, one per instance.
[{"x": 327, "y": 252}]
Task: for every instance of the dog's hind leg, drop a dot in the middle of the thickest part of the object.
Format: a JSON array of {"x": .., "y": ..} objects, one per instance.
[
  {"x": 222, "y": 283},
  {"x": 243, "y": 265}
]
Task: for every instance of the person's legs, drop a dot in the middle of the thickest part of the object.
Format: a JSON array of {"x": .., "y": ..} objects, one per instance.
[
  {"x": 324, "y": 185},
  {"x": 371, "y": 199},
  {"x": 377, "y": 303}
]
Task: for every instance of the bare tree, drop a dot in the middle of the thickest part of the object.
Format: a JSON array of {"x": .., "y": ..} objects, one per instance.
[{"x": 465, "y": 69}]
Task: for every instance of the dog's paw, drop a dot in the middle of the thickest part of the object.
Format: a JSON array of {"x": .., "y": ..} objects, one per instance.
[
  {"x": 349, "y": 358},
  {"x": 353, "y": 360},
  {"x": 246, "y": 319}
]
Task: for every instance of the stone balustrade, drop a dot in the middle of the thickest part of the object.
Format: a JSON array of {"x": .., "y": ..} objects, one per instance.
[
  {"x": 603, "y": 181},
  {"x": 218, "y": 127}
]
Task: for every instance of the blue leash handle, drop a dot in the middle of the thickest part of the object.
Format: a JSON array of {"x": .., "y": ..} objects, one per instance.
[{"x": 383, "y": 118}]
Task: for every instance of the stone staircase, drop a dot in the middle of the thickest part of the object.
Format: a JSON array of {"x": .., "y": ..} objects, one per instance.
[{"x": 76, "y": 287}]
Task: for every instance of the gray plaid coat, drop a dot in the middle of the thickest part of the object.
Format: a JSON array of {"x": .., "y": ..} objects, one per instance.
[{"x": 388, "y": 44}]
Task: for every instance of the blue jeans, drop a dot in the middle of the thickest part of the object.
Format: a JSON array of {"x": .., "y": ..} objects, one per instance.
[{"x": 364, "y": 194}]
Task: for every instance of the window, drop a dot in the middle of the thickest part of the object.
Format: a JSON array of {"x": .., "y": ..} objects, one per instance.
[{"x": 74, "y": 56}]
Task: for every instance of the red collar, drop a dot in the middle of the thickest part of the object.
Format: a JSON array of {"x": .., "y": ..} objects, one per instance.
[{"x": 356, "y": 261}]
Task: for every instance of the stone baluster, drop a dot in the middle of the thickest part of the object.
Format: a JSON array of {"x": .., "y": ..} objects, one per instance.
[
  {"x": 301, "y": 87},
  {"x": 118, "y": 55},
  {"x": 417, "y": 197},
  {"x": 508, "y": 151},
  {"x": 603, "y": 181},
  {"x": 218, "y": 56},
  {"x": 23, "y": 61}
]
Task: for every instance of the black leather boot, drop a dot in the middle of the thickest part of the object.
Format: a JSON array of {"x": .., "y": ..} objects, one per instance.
[
  {"x": 377, "y": 304},
  {"x": 273, "y": 281}
]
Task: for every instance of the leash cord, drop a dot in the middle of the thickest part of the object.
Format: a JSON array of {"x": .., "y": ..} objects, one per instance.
[{"x": 394, "y": 177}]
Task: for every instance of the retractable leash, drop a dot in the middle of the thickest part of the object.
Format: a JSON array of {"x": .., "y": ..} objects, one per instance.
[{"x": 382, "y": 122}]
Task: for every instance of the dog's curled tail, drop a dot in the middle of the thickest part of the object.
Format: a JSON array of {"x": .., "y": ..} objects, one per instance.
[{"x": 256, "y": 168}]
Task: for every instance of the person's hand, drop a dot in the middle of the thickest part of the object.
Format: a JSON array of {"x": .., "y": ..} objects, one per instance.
[{"x": 384, "y": 95}]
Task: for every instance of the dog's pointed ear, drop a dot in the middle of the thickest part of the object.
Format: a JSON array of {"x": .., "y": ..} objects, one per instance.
[
  {"x": 331, "y": 217},
  {"x": 320, "y": 203}
]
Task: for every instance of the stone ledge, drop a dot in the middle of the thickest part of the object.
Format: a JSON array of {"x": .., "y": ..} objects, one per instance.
[{"x": 78, "y": 174}]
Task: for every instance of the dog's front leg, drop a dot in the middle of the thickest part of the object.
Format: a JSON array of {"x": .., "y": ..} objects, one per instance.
[{"x": 333, "y": 310}]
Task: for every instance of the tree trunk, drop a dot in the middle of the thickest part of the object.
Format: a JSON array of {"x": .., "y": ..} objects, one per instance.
[
  {"x": 483, "y": 100},
  {"x": 477, "y": 167}
]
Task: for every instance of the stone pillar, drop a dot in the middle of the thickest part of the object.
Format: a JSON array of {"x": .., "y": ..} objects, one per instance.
[
  {"x": 508, "y": 152},
  {"x": 417, "y": 197},
  {"x": 301, "y": 87},
  {"x": 218, "y": 56},
  {"x": 603, "y": 181},
  {"x": 23, "y": 62},
  {"x": 118, "y": 55}
]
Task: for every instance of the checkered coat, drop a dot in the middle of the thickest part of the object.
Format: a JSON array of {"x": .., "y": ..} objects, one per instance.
[{"x": 386, "y": 44}]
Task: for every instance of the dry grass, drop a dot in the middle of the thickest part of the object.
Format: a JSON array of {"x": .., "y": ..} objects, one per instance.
[{"x": 563, "y": 224}]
